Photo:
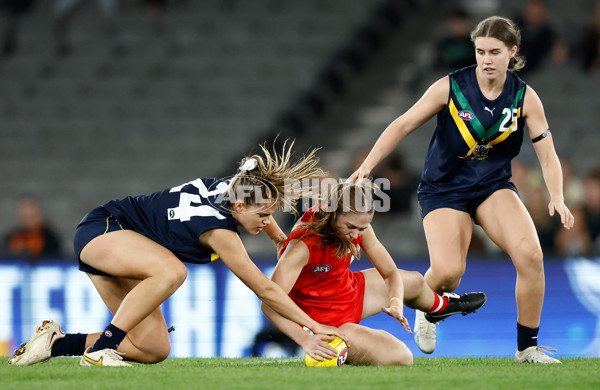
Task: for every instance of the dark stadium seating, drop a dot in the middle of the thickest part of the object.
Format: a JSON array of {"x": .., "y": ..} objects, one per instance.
[{"x": 191, "y": 91}]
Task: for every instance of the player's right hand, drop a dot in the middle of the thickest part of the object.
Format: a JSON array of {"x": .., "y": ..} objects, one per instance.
[
  {"x": 359, "y": 174},
  {"x": 317, "y": 348}
]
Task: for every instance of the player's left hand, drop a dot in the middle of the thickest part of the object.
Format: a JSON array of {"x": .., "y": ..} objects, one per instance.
[
  {"x": 559, "y": 206},
  {"x": 397, "y": 313}
]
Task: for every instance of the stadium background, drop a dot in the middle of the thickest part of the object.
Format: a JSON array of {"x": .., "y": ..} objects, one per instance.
[{"x": 185, "y": 92}]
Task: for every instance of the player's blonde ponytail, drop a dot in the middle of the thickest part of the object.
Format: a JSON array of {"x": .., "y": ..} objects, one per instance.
[{"x": 275, "y": 178}]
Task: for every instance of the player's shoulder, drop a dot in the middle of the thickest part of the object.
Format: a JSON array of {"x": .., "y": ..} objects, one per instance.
[
  {"x": 302, "y": 233},
  {"x": 467, "y": 73},
  {"x": 514, "y": 76}
]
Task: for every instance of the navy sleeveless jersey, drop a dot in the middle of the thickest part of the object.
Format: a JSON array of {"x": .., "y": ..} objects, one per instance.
[
  {"x": 176, "y": 217},
  {"x": 475, "y": 138}
]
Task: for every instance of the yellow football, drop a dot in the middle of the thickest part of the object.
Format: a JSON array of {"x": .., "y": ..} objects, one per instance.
[{"x": 342, "y": 349}]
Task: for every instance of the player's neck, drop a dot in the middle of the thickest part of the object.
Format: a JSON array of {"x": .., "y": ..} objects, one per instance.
[{"x": 491, "y": 88}]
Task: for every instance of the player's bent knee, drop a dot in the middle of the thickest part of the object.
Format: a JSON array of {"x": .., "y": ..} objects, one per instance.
[
  {"x": 530, "y": 260},
  {"x": 156, "y": 354},
  {"x": 399, "y": 353},
  {"x": 395, "y": 352},
  {"x": 449, "y": 282},
  {"x": 404, "y": 357},
  {"x": 447, "y": 278},
  {"x": 161, "y": 351},
  {"x": 404, "y": 360},
  {"x": 159, "y": 356},
  {"x": 413, "y": 280},
  {"x": 174, "y": 276},
  {"x": 536, "y": 258}
]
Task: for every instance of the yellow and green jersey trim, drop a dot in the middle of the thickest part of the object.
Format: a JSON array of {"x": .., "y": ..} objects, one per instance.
[{"x": 476, "y": 125}]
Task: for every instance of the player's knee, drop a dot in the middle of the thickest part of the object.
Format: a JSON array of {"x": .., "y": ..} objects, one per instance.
[
  {"x": 537, "y": 261},
  {"x": 531, "y": 259},
  {"x": 413, "y": 281},
  {"x": 161, "y": 354},
  {"x": 401, "y": 356},
  {"x": 445, "y": 276},
  {"x": 148, "y": 350},
  {"x": 448, "y": 281},
  {"x": 405, "y": 359},
  {"x": 450, "y": 285},
  {"x": 174, "y": 275}
]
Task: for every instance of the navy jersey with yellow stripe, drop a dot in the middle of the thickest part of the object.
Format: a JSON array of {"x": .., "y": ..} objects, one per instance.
[
  {"x": 176, "y": 217},
  {"x": 475, "y": 138}
]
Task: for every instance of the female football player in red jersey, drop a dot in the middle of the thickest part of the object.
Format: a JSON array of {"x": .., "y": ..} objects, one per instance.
[
  {"x": 481, "y": 115},
  {"x": 134, "y": 251},
  {"x": 313, "y": 268}
]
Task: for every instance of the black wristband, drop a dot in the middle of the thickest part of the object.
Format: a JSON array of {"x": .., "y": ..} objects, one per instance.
[{"x": 541, "y": 136}]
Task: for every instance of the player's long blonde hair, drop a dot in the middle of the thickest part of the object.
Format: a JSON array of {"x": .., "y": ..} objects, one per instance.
[
  {"x": 275, "y": 178},
  {"x": 344, "y": 198}
]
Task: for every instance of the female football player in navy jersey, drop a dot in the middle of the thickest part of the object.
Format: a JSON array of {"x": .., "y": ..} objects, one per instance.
[
  {"x": 313, "y": 268},
  {"x": 481, "y": 112},
  {"x": 134, "y": 251}
]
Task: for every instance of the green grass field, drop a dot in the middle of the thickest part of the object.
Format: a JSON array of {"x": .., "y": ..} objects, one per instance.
[{"x": 289, "y": 374}]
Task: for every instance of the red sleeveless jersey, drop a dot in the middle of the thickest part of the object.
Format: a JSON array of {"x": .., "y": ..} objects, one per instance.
[{"x": 326, "y": 289}]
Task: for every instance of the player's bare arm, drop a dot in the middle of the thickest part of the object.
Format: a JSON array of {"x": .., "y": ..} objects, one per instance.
[
  {"x": 432, "y": 101},
  {"x": 275, "y": 234},
  {"x": 230, "y": 249},
  {"x": 546, "y": 153},
  {"x": 383, "y": 262},
  {"x": 285, "y": 275}
]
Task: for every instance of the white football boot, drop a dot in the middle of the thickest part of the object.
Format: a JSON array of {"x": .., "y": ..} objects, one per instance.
[
  {"x": 105, "y": 357},
  {"x": 536, "y": 355},
  {"x": 39, "y": 348},
  {"x": 424, "y": 333}
]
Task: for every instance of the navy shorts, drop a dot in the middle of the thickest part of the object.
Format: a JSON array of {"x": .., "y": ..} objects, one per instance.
[
  {"x": 461, "y": 202},
  {"x": 96, "y": 223}
]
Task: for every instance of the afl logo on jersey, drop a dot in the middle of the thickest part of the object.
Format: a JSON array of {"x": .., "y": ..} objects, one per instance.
[
  {"x": 321, "y": 269},
  {"x": 465, "y": 115}
]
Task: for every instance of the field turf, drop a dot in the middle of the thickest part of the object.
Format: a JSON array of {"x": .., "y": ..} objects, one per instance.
[{"x": 289, "y": 374}]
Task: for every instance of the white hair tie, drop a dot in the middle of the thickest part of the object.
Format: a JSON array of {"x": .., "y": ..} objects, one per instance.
[{"x": 249, "y": 165}]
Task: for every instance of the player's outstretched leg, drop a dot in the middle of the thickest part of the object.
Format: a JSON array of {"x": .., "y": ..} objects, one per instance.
[
  {"x": 425, "y": 335},
  {"x": 536, "y": 355},
  {"x": 463, "y": 304},
  {"x": 39, "y": 347}
]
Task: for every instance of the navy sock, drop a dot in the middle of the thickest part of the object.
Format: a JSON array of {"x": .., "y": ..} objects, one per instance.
[
  {"x": 110, "y": 338},
  {"x": 526, "y": 337},
  {"x": 73, "y": 344}
]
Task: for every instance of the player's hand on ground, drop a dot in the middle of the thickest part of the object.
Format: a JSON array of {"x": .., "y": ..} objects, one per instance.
[
  {"x": 330, "y": 330},
  {"x": 566, "y": 218},
  {"x": 398, "y": 314},
  {"x": 317, "y": 347}
]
